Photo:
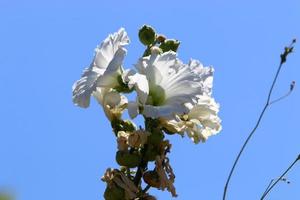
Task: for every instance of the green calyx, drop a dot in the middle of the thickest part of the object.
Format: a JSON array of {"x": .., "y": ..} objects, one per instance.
[{"x": 147, "y": 35}]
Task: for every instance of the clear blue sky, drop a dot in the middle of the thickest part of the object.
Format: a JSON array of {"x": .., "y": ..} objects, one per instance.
[{"x": 53, "y": 150}]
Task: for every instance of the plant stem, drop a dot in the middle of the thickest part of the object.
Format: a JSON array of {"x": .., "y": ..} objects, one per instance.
[
  {"x": 141, "y": 168},
  {"x": 146, "y": 188},
  {"x": 284, "y": 173},
  {"x": 282, "y": 61}
]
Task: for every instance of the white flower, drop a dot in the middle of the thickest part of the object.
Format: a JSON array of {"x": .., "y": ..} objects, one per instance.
[
  {"x": 202, "y": 121},
  {"x": 104, "y": 69},
  {"x": 113, "y": 103},
  {"x": 171, "y": 85}
]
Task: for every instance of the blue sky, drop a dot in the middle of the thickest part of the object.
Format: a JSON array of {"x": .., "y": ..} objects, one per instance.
[{"x": 53, "y": 150}]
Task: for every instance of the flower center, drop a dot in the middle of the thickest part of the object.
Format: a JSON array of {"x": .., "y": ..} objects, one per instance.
[{"x": 156, "y": 95}]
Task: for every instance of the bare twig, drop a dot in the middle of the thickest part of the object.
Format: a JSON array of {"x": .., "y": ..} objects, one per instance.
[
  {"x": 272, "y": 180},
  {"x": 283, "y": 57},
  {"x": 280, "y": 178},
  {"x": 292, "y": 86}
]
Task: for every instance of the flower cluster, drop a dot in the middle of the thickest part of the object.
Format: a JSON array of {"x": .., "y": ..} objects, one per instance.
[{"x": 172, "y": 96}]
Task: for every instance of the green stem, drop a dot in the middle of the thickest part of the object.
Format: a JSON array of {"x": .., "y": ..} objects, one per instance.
[{"x": 141, "y": 168}]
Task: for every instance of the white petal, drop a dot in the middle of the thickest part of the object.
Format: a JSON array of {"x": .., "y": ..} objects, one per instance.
[
  {"x": 83, "y": 88},
  {"x": 106, "y": 51},
  {"x": 105, "y": 54},
  {"x": 141, "y": 86},
  {"x": 114, "y": 69},
  {"x": 204, "y": 119},
  {"x": 112, "y": 99},
  {"x": 99, "y": 94},
  {"x": 205, "y": 74},
  {"x": 178, "y": 82},
  {"x": 133, "y": 109},
  {"x": 126, "y": 74},
  {"x": 167, "y": 111}
]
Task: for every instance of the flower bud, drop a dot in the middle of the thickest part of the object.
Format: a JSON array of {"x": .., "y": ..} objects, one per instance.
[
  {"x": 127, "y": 159},
  {"x": 170, "y": 45},
  {"x": 113, "y": 192},
  {"x": 128, "y": 126},
  {"x": 161, "y": 38},
  {"x": 147, "y": 35},
  {"x": 152, "y": 179}
]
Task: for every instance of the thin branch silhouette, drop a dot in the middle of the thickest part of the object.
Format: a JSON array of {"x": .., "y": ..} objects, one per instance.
[
  {"x": 292, "y": 86},
  {"x": 272, "y": 181},
  {"x": 271, "y": 186},
  {"x": 283, "y": 58}
]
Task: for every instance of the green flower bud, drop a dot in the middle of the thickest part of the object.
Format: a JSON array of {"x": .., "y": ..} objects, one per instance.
[
  {"x": 147, "y": 35},
  {"x": 152, "y": 179},
  {"x": 128, "y": 126},
  {"x": 170, "y": 45},
  {"x": 114, "y": 193},
  {"x": 117, "y": 126},
  {"x": 127, "y": 159}
]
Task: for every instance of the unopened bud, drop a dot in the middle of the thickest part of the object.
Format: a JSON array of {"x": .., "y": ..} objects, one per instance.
[
  {"x": 161, "y": 38},
  {"x": 114, "y": 192},
  {"x": 127, "y": 159},
  {"x": 170, "y": 45},
  {"x": 147, "y": 35}
]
